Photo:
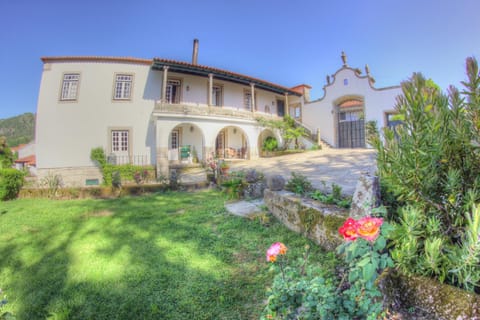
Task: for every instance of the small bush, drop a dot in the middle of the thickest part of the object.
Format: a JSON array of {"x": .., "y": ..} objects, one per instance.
[
  {"x": 299, "y": 184},
  {"x": 11, "y": 181},
  {"x": 52, "y": 183},
  {"x": 270, "y": 144}
]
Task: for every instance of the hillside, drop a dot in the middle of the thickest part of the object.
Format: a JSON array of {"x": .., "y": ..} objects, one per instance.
[{"x": 19, "y": 129}]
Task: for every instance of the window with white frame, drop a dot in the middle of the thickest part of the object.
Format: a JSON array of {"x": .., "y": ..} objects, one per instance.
[
  {"x": 70, "y": 87},
  {"x": 297, "y": 112},
  {"x": 120, "y": 140},
  {"x": 123, "y": 87},
  {"x": 217, "y": 95}
]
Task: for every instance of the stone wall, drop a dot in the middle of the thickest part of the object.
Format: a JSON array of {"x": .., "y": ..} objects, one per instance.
[
  {"x": 320, "y": 222},
  {"x": 439, "y": 300},
  {"x": 317, "y": 221},
  {"x": 73, "y": 176}
]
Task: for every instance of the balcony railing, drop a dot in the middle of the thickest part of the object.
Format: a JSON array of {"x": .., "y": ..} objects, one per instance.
[
  {"x": 210, "y": 111},
  {"x": 138, "y": 160}
]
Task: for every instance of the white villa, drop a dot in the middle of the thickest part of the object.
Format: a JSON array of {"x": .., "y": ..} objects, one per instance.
[{"x": 160, "y": 112}]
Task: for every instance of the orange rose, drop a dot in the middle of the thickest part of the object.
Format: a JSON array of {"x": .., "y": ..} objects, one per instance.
[{"x": 369, "y": 228}]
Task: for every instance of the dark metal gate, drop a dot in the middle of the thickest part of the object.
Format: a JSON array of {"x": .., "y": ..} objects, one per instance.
[{"x": 351, "y": 129}]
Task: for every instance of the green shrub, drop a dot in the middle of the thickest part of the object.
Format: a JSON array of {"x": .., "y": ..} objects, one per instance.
[
  {"x": 234, "y": 184},
  {"x": 120, "y": 174},
  {"x": 270, "y": 144},
  {"x": 430, "y": 165},
  {"x": 52, "y": 182},
  {"x": 299, "y": 184},
  {"x": 11, "y": 181},
  {"x": 98, "y": 156}
]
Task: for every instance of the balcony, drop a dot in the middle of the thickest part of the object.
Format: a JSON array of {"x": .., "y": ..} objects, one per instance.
[{"x": 195, "y": 109}]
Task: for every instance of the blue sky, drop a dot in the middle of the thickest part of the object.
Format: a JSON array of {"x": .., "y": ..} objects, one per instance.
[{"x": 285, "y": 42}]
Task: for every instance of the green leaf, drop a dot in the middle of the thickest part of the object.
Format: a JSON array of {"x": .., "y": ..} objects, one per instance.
[
  {"x": 380, "y": 243},
  {"x": 362, "y": 263},
  {"x": 368, "y": 272}
]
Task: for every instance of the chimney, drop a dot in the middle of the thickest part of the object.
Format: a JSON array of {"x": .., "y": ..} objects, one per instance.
[{"x": 195, "y": 51}]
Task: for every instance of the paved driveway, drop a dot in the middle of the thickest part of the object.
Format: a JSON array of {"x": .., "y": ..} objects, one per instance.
[{"x": 322, "y": 167}]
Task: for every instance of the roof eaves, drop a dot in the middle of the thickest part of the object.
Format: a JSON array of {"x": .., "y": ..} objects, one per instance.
[{"x": 188, "y": 68}]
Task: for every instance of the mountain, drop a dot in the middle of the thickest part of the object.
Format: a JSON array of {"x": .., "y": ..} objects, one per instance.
[{"x": 19, "y": 129}]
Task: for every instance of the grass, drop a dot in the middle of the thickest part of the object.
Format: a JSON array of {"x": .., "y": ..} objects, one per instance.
[{"x": 161, "y": 256}]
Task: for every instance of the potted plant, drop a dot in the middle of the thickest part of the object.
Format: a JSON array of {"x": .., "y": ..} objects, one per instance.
[{"x": 224, "y": 167}]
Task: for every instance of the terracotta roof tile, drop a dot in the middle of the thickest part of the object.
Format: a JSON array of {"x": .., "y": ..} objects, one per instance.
[{"x": 28, "y": 160}]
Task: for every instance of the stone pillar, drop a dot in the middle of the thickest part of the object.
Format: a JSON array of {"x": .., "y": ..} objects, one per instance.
[
  {"x": 287, "y": 107},
  {"x": 319, "y": 137},
  {"x": 208, "y": 151},
  {"x": 210, "y": 88},
  {"x": 252, "y": 93},
  {"x": 366, "y": 196},
  {"x": 164, "y": 84},
  {"x": 162, "y": 162},
  {"x": 161, "y": 134}
]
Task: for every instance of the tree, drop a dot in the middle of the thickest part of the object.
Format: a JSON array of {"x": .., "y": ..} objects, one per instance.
[
  {"x": 6, "y": 155},
  {"x": 288, "y": 129}
]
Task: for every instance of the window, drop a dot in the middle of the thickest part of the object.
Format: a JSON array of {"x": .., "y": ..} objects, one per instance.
[
  {"x": 345, "y": 82},
  {"x": 174, "y": 143},
  {"x": 173, "y": 91},
  {"x": 70, "y": 87},
  {"x": 247, "y": 100},
  {"x": 120, "y": 140},
  {"x": 123, "y": 87},
  {"x": 217, "y": 96},
  {"x": 350, "y": 116},
  {"x": 297, "y": 112}
]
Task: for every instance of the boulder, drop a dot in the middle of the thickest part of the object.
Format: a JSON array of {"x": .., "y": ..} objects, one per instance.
[
  {"x": 366, "y": 196},
  {"x": 275, "y": 183}
]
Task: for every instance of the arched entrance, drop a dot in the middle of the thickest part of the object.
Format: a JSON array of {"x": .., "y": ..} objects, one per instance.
[
  {"x": 264, "y": 136},
  {"x": 350, "y": 123},
  {"x": 231, "y": 143},
  {"x": 185, "y": 144}
]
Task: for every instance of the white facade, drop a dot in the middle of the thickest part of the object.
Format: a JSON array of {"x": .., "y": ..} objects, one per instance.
[
  {"x": 125, "y": 106},
  {"x": 353, "y": 96}
]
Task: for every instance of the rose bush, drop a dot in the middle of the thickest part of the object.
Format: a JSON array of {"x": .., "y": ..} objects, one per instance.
[{"x": 305, "y": 292}]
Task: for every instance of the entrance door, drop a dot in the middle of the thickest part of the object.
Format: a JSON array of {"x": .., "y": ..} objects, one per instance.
[
  {"x": 174, "y": 145},
  {"x": 351, "y": 129}
]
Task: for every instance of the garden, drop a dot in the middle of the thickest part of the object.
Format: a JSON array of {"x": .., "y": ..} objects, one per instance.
[
  {"x": 178, "y": 255},
  {"x": 172, "y": 255}
]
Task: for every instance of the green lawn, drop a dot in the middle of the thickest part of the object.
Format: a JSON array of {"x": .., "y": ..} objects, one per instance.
[{"x": 162, "y": 256}]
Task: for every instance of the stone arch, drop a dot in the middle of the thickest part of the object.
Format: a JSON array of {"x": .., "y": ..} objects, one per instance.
[
  {"x": 232, "y": 142},
  {"x": 186, "y": 143},
  {"x": 263, "y": 136}
]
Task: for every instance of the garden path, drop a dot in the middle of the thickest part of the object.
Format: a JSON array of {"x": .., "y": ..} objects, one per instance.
[{"x": 322, "y": 167}]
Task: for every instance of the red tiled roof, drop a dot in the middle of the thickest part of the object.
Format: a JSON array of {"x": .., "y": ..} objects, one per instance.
[
  {"x": 15, "y": 149},
  {"x": 188, "y": 67},
  {"x": 301, "y": 88},
  {"x": 351, "y": 103},
  {"x": 96, "y": 59},
  {"x": 228, "y": 75},
  {"x": 28, "y": 160}
]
